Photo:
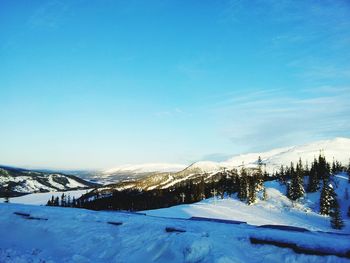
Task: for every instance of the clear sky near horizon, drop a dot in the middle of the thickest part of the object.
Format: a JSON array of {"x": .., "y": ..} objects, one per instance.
[{"x": 97, "y": 84}]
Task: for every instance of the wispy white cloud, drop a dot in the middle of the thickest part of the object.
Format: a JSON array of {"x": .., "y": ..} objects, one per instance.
[
  {"x": 311, "y": 36},
  {"x": 257, "y": 122}
]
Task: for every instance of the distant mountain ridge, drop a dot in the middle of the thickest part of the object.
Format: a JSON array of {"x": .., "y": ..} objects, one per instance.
[
  {"x": 163, "y": 175},
  {"x": 338, "y": 148},
  {"x": 147, "y": 168},
  {"x": 19, "y": 181}
]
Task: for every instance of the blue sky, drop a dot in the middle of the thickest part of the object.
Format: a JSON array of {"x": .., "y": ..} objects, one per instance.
[{"x": 96, "y": 84}]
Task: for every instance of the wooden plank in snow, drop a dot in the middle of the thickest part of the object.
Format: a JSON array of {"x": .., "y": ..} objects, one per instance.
[
  {"x": 299, "y": 249},
  {"x": 115, "y": 223},
  {"x": 173, "y": 229},
  {"x": 21, "y": 214}
]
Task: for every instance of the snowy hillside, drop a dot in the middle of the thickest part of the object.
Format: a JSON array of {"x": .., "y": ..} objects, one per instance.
[
  {"x": 132, "y": 172},
  {"x": 146, "y": 168},
  {"x": 338, "y": 148},
  {"x": 205, "y": 167},
  {"x": 16, "y": 181},
  {"x": 214, "y": 230},
  {"x": 42, "y": 198},
  {"x": 62, "y": 235},
  {"x": 276, "y": 210}
]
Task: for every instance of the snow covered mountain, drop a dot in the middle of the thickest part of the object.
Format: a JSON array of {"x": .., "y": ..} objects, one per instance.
[
  {"x": 163, "y": 175},
  {"x": 146, "y": 168},
  {"x": 338, "y": 148},
  {"x": 132, "y": 172},
  {"x": 16, "y": 181}
]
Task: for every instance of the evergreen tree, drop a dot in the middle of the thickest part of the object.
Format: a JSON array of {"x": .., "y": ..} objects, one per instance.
[
  {"x": 252, "y": 181},
  {"x": 334, "y": 169},
  {"x": 300, "y": 167},
  {"x": 57, "y": 201},
  {"x": 260, "y": 163},
  {"x": 259, "y": 174},
  {"x": 7, "y": 193},
  {"x": 336, "y": 219},
  {"x": 281, "y": 175},
  {"x": 326, "y": 199},
  {"x": 266, "y": 174},
  {"x": 243, "y": 185},
  {"x": 201, "y": 189},
  {"x": 323, "y": 168},
  {"x": 69, "y": 202},
  {"x": 63, "y": 199},
  {"x": 53, "y": 201},
  {"x": 296, "y": 188},
  {"x": 314, "y": 179}
]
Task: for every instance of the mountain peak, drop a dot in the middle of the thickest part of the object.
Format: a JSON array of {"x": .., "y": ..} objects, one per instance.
[
  {"x": 337, "y": 148},
  {"x": 146, "y": 168}
]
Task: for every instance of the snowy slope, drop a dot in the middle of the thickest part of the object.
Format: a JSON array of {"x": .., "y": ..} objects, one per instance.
[
  {"x": 338, "y": 148},
  {"x": 17, "y": 181},
  {"x": 276, "y": 210},
  {"x": 82, "y": 236},
  {"x": 132, "y": 172},
  {"x": 146, "y": 168},
  {"x": 205, "y": 166},
  {"x": 42, "y": 198}
]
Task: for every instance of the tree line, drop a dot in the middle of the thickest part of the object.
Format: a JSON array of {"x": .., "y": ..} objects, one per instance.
[
  {"x": 247, "y": 183},
  {"x": 320, "y": 175},
  {"x": 63, "y": 201}
]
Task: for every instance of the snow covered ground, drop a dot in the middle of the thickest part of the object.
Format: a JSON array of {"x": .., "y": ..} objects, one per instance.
[
  {"x": 55, "y": 234},
  {"x": 77, "y": 235},
  {"x": 42, "y": 198},
  {"x": 276, "y": 210}
]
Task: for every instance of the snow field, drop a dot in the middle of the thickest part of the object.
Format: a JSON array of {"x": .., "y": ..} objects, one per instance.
[
  {"x": 42, "y": 198},
  {"x": 276, "y": 210},
  {"x": 77, "y": 235}
]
